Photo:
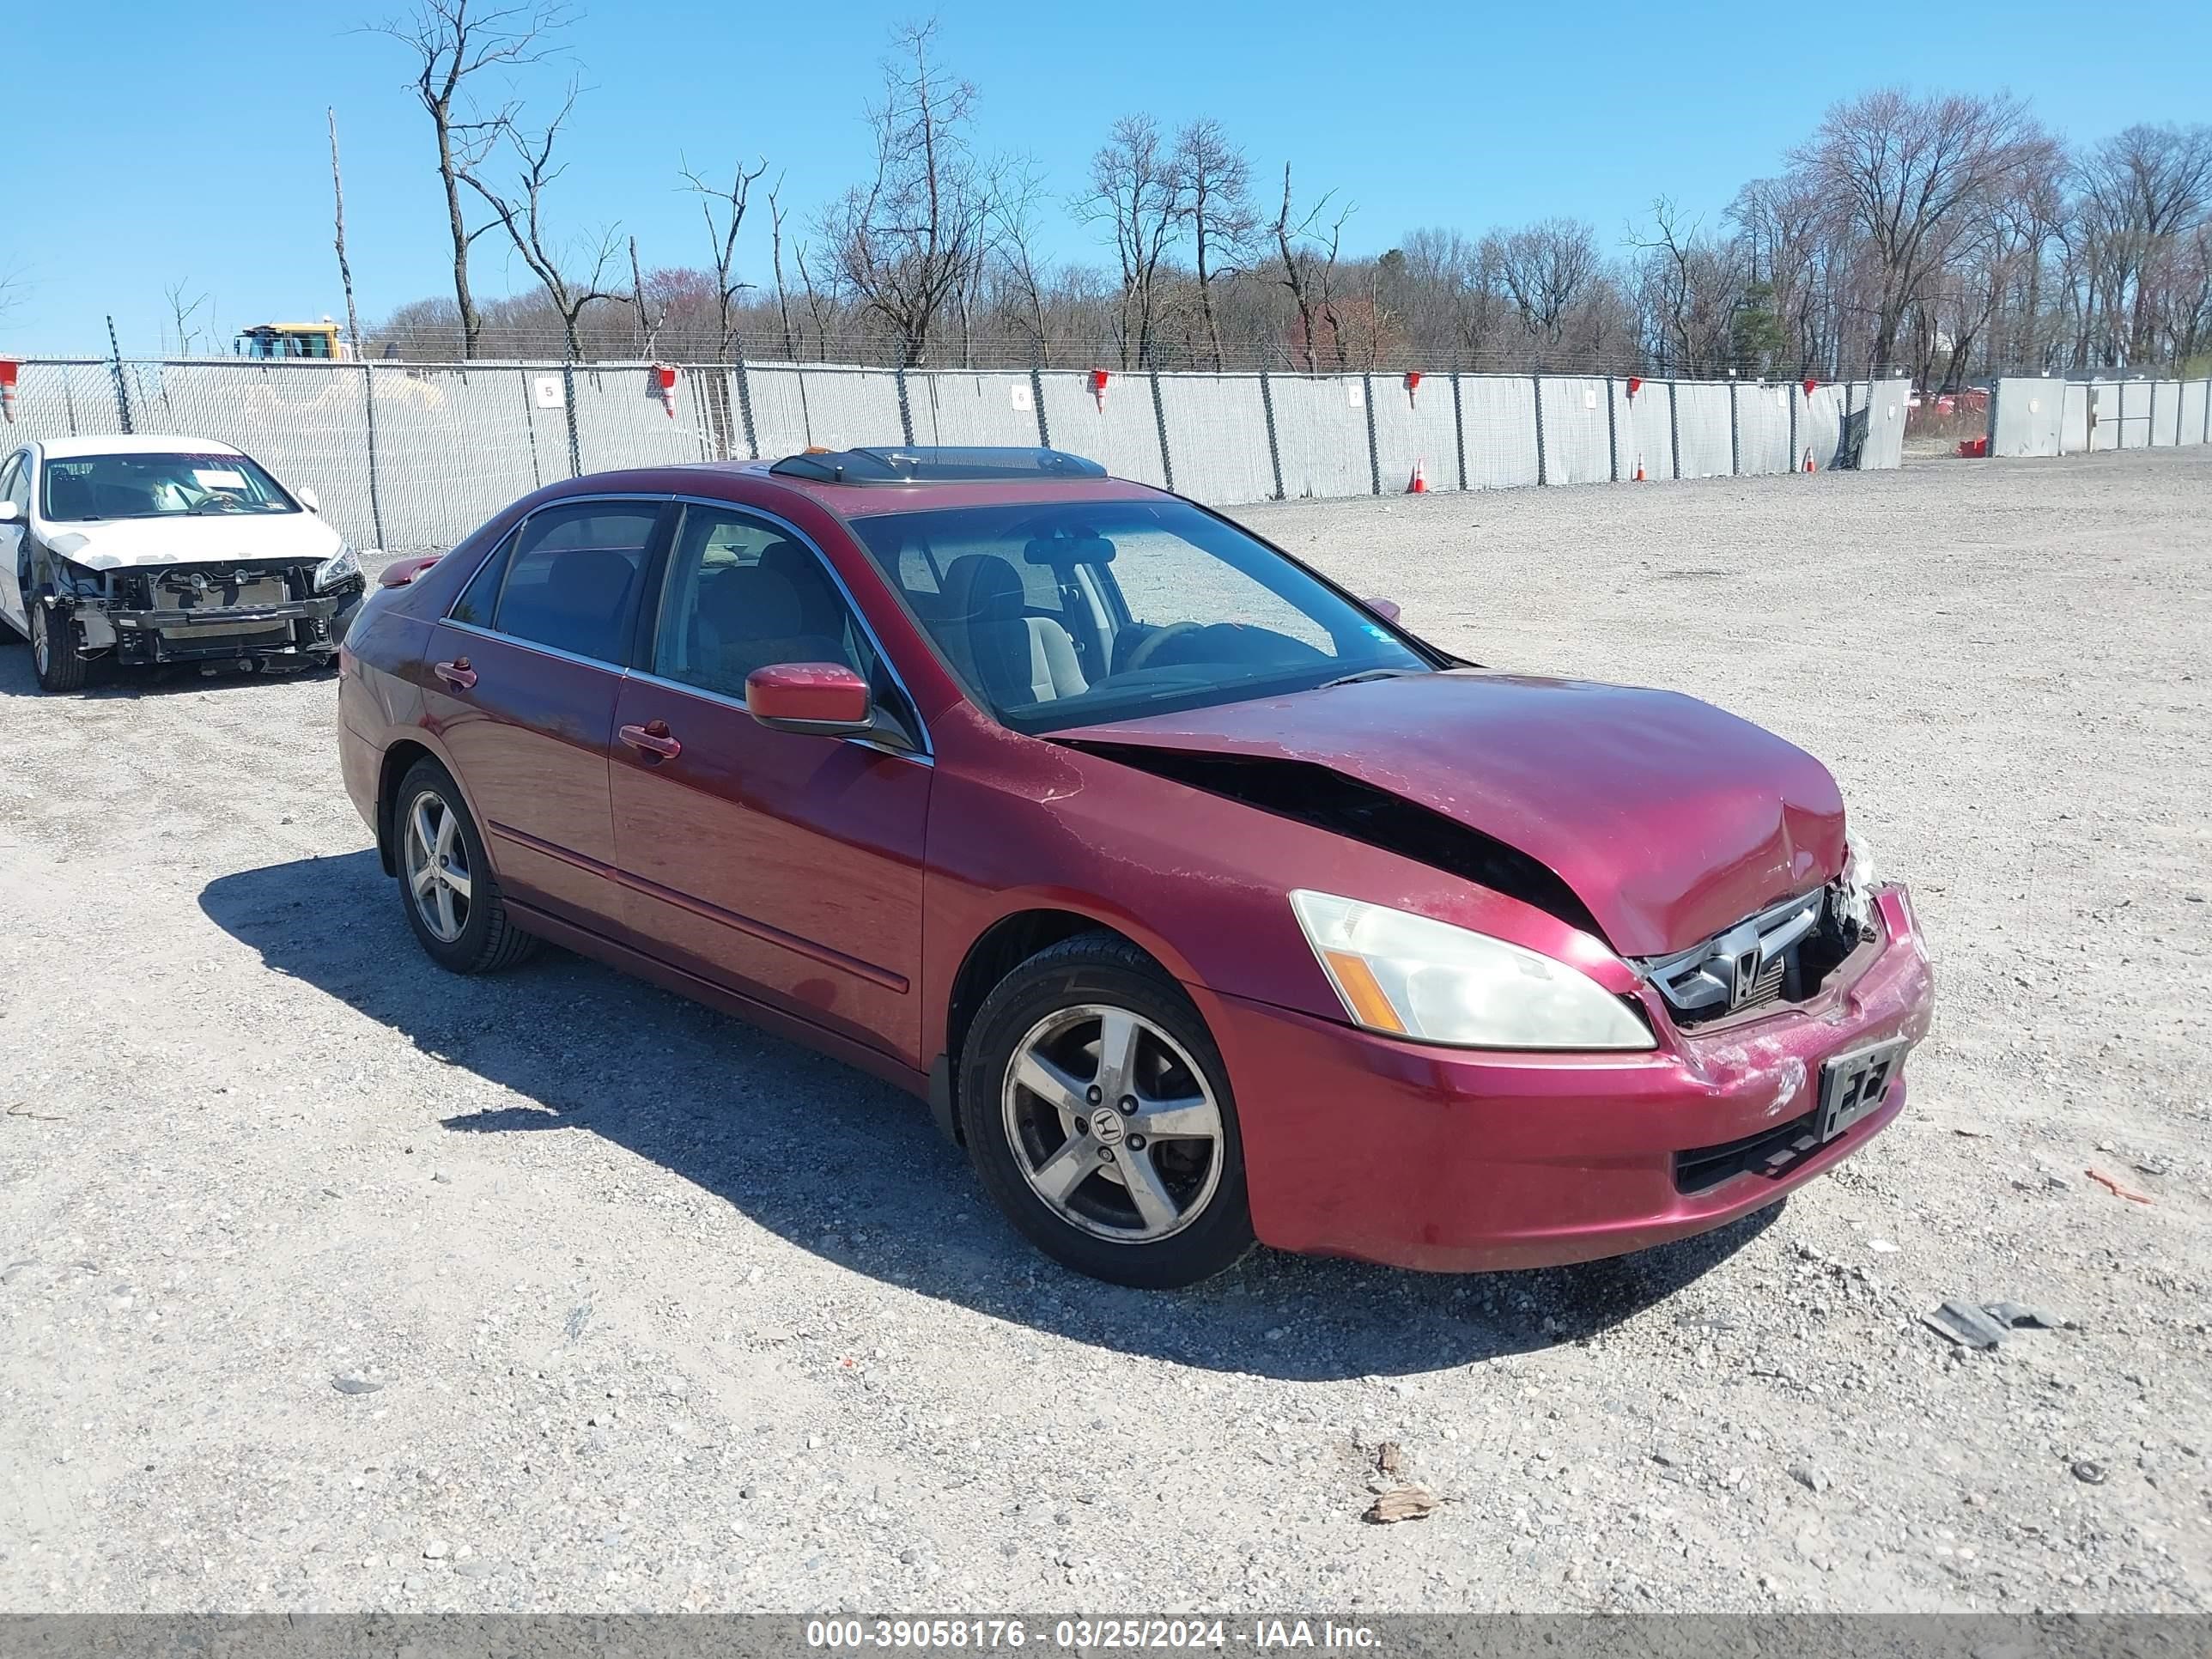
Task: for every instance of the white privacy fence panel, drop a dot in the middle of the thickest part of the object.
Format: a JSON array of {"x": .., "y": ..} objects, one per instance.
[
  {"x": 1217, "y": 435},
  {"x": 1321, "y": 429},
  {"x": 1119, "y": 427},
  {"x": 1704, "y": 447},
  {"x": 1578, "y": 431},
  {"x": 1763, "y": 421},
  {"x": 2027, "y": 417},
  {"x": 1499, "y": 426},
  {"x": 1821, "y": 425},
  {"x": 1415, "y": 428},
  {"x": 2041, "y": 416},
  {"x": 1647, "y": 431},
  {"x": 952, "y": 406}
]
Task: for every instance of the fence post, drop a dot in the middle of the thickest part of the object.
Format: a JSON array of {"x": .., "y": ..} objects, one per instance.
[
  {"x": 1160, "y": 418},
  {"x": 1612, "y": 436},
  {"x": 1275, "y": 446},
  {"x": 530, "y": 424},
  {"x": 1674, "y": 434},
  {"x": 1374, "y": 454},
  {"x": 1037, "y": 402},
  {"x": 1459, "y": 431},
  {"x": 122, "y": 391},
  {"x": 745, "y": 406},
  {"x": 1735, "y": 440},
  {"x": 568, "y": 404},
  {"x": 906, "y": 414},
  {"x": 1790, "y": 397},
  {"x": 375, "y": 492},
  {"x": 2208, "y": 410},
  {"x": 1543, "y": 469}
]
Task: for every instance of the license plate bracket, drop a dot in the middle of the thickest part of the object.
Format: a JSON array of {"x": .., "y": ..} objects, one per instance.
[{"x": 1855, "y": 1084}]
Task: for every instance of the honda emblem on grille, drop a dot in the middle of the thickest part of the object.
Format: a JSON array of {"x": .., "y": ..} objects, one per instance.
[{"x": 1747, "y": 977}]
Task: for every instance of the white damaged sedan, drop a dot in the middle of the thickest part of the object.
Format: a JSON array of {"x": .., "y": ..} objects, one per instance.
[{"x": 166, "y": 550}]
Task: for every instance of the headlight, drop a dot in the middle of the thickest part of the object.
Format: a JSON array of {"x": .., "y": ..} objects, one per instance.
[
  {"x": 339, "y": 567},
  {"x": 1416, "y": 977}
]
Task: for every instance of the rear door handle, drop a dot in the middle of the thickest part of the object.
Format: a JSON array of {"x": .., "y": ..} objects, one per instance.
[
  {"x": 456, "y": 673},
  {"x": 652, "y": 739}
]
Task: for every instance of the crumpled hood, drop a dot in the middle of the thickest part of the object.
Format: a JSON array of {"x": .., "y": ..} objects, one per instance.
[
  {"x": 1669, "y": 818},
  {"x": 182, "y": 538}
]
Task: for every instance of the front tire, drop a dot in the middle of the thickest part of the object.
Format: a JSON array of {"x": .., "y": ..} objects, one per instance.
[
  {"x": 1098, "y": 1116},
  {"x": 53, "y": 649},
  {"x": 445, "y": 884}
]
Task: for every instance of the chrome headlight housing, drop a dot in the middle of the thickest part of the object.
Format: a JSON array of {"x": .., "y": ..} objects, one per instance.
[
  {"x": 341, "y": 566},
  {"x": 1414, "y": 976}
]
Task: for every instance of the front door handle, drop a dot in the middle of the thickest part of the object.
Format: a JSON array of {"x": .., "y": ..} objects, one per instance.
[
  {"x": 652, "y": 739},
  {"x": 456, "y": 673}
]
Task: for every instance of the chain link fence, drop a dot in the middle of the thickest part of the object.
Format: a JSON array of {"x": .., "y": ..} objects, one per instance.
[{"x": 410, "y": 457}]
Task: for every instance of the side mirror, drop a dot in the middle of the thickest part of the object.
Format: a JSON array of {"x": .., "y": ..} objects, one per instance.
[
  {"x": 1386, "y": 608},
  {"x": 822, "y": 699},
  {"x": 309, "y": 500},
  {"x": 10, "y": 514}
]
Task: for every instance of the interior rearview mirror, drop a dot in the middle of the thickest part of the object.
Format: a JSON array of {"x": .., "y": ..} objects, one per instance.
[
  {"x": 822, "y": 699},
  {"x": 309, "y": 500},
  {"x": 1386, "y": 608}
]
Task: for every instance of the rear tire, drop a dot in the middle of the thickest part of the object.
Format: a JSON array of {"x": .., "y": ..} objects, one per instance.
[
  {"x": 53, "y": 649},
  {"x": 452, "y": 898},
  {"x": 1098, "y": 1116}
]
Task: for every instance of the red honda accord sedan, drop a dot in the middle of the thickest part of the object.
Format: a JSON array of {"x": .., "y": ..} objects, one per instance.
[{"x": 1203, "y": 902}]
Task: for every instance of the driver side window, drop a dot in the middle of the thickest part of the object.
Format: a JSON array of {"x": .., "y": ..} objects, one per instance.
[{"x": 742, "y": 593}]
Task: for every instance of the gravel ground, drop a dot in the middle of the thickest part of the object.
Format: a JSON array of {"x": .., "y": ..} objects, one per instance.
[{"x": 330, "y": 1282}]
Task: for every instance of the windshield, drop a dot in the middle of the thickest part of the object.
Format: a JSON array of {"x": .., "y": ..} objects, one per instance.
[
  {"x": 157, "y": 486},
  {"x": 1066, "y": 615}
]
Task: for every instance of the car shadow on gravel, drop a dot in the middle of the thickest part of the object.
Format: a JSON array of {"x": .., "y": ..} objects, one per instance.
[
  {"x": 850, "y": 1170},
  {"x": 105, "y": 683}
]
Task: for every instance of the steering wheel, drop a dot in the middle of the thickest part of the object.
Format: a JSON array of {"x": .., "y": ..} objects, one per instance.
[{"x": 1149, "y": 646}]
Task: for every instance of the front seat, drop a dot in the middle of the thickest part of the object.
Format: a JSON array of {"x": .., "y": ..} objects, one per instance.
[
  {"x": 751, "y": 617},
  {"x": 1008, "y": 656}
]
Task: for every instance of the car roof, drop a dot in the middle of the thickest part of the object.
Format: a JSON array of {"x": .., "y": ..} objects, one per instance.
[
  {"x": 1021, "y": 483},
  {"x": 123, "y": 443}
]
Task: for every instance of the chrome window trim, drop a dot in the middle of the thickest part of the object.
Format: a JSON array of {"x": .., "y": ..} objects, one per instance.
[
  {"x": 928, "y": 750},
  {"x": 521, "y": 644}
]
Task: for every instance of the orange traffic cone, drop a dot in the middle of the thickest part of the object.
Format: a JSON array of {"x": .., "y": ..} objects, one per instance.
[
  {"x": 1809, "y": 467},
  {"x": 1639, "y": 470},
  {"x": 1419, "y": 486}
]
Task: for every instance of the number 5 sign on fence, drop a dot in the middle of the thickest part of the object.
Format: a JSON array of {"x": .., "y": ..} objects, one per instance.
[{"x": 546, "y": 388}]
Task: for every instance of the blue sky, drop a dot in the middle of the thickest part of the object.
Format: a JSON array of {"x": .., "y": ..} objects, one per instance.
[{"x": 148, "y": 149}]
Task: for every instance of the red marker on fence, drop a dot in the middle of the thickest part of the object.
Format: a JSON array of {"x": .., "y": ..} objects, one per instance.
[
  {"x": 663, "y": 379},
  {"x": 1098, "y": 379},
  {"x": 8, "y": 366}
]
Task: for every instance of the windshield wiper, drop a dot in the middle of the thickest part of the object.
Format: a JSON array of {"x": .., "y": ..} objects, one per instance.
[{"x": 1366, "y": 674}]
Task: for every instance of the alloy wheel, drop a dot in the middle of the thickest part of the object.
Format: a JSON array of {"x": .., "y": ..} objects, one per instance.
[
  {"x": 437, "y": 858},
  {"x": 42, "y": 639},
  {"x": 1112, "y": 1124}
]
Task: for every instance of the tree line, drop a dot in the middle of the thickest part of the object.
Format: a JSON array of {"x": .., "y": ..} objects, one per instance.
[{"x": 1947, "y": 236}]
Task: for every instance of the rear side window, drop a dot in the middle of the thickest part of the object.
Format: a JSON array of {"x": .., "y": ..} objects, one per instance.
[{"x": 572, "y": 578}]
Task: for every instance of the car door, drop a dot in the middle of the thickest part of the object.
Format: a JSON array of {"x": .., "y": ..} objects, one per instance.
[
  {"x": 524, "y": 675},
  {"x": 15, "y": 489},
  {"x": 786, "y": 868}
]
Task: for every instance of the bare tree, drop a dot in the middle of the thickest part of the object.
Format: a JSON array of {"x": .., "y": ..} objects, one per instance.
[
  {"x": 2144, "y": 192},
  {"x": 724, "y": 208},
  {"x": 1137, "y": 192},
  {"x": 454, "y": 42},
  {"x": 522, "y": 211},
  {"x": 1902, "y": 172},
  {"x": 1690, "y": 287},
  {"x": 906, "y": 243},
  {"x": 649, "y": 325},
  {"x": 1014, "y": 245},
  {"x": 1545, "y": 269},
  {"x": 782, "y": 295},
  {"x": 345, "y": 270},
  {"x": 181, "y": 313},
  {"x": 1307, "y": 262},
  {"x": 1215, "y": 182}
]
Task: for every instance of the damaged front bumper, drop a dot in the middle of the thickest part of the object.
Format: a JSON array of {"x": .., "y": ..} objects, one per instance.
[
  {"x": 1462, "y": 1160},
  {"x": 267, "y": 613}
]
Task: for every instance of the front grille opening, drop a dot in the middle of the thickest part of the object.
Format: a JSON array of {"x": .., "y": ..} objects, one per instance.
[
  {"x": 1771, "y": 1153},
  {"x": 1701, "y": 986}
]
